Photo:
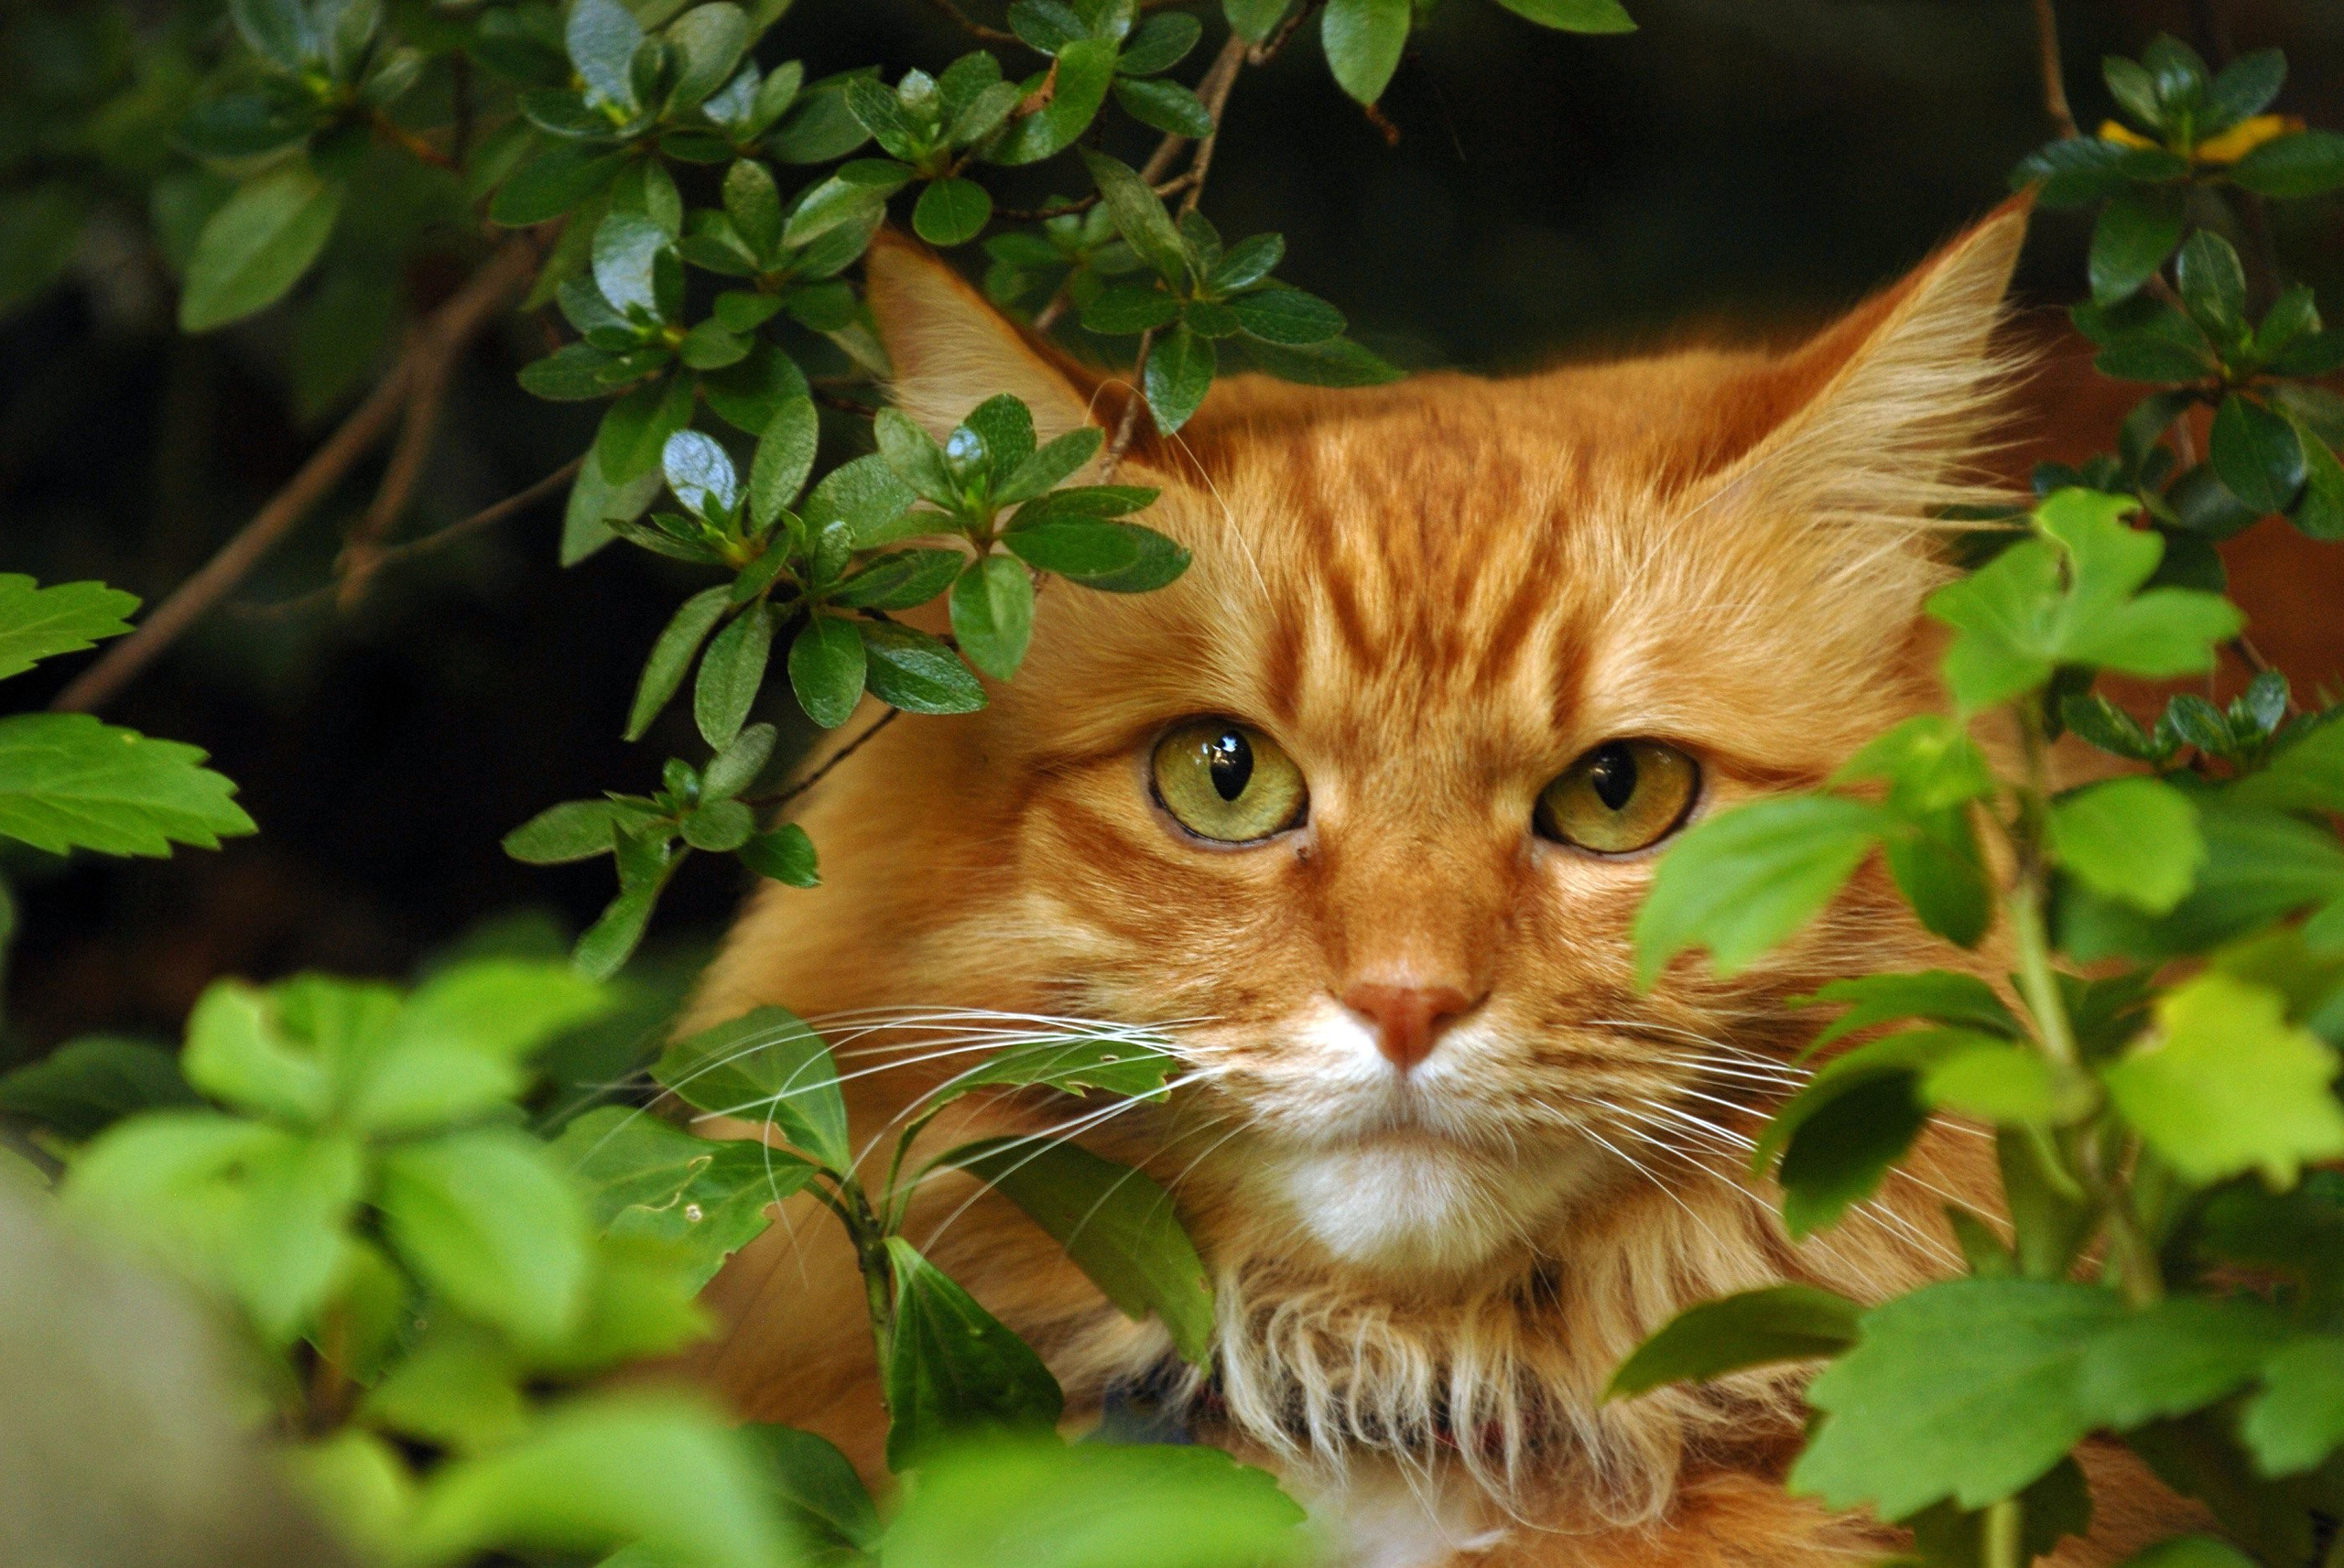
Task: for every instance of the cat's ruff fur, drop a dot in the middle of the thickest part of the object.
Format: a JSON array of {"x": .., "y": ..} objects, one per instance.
[{"x": 1436, "y": 595}]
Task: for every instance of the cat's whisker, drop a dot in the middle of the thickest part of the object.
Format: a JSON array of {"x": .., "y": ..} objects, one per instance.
[{"x": 1048, "y": 1140}]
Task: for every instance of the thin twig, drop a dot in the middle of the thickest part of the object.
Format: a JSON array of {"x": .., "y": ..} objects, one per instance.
[
  {"x": 841, "y": 755},
  {"x": 465, "y": 312},
  {"x": 1267, "y": 50},
  {"x": 2055, "y": 80},
  {"x": 426, "y": 395},
  {"x": 1073, "y": 205},
  {"x": 438, "y": 539},
  {"x": 1212, "y": 91},
  {"x": 974, "y": 28},
  {"x": 1128, "y": 426}
]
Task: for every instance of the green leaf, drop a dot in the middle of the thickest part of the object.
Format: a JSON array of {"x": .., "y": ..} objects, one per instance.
[
  {"x": 1253, "y": 19},
  {"x": 731, "y": 673},
  {"x": 2135, "y": 839},
  {"x": 2175, "y": 1356},
  {"x": 720, "y": 827},
  {"x": 257, "y": 246},
  {"x": 1732, "y": 1334},
  {"x": 1574, "y": 16},
  {"x": 826, "y": 669},
  {"x": 1179, "y": 372},
  {"x": 864, "y": 493},
  {"x": 2190, "y": 1552},
  {"x": 911, "y": 670},
  {"x": 1941, "y": 996},
  {"x": 2085, "y": 169},
  {"x": 951, "y": 212},
  {"x": 1740, "y": 882},
  {"x": 2259, "y": 865},
  {"x": 1138, "y": 215},
  {"x": 635, "y": 428},
  {"x": 900, "y": 579},
  {"x": 784, "y": 456},
  {"x": 2018, "y": 620},
  {"x": 2243, "y": 87},
  {"x": 708, "y": 41},
  {"x": 236, "y": 1054},
  {"x": 1080, "y": 79},
  {"x": 554, "y": 182},
  {"x": 700, "y": 473},
  {"x": 1094, "y": 1505},
  {"x": 952, "y": 1368},
  {"x": 1127, "y": 308},
  {"x": 594, "y": 502},
  {"x": 2009, "y": 1085},
  {"x": 38, "y": 622},
  {"x": 736, "y": 767},
  {"x": 88, "y": 1084},
  {"x": 2137, "y": 230},
  {"x": 1843, "y": 1146},
  {"x": 672, "y": 655},
  {"x": 1055, "y": 463},
  {"x": 992, "y": 614},
  {"x": 1116, "y": 1223},
  {"x": 69, "y": 781},
  {"x": 852, "y": 195},
  {"x": 913, "y": 453},
  {"x": 1363, "y": 39},
  {"x": 784, "y": 854},
  {"x": 643, "y": 1177},
  {"x": 602, "y": 37},
  {"x": 2309, "y": 163},
  {"x": 1287, "y": 316},
  {"x": 2297, "y": 1419},
  {"x": 764, "y": 1066},
  {"x": 2213, "y": 285},
  {"x": 819, "y": 1492},
  {"x": 280, "y": 31},
  {"x": 2228, "y": 1085},
  {"x": 2257, "y": 454},
  {"x": 596, "y": 1473},
  {"x": 1115, "y": 557},
  {"x": 1164, "y": 106},
  {"x": 1936, "y": 862},
  {"x": 1117, "y": 1061},
  {"x": 1965, "y": 1389},
  {"x": 484, "y": 1219}
]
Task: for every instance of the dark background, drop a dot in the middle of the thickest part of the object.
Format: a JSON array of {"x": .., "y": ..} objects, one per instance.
[{"x": 1736, "y": 167}]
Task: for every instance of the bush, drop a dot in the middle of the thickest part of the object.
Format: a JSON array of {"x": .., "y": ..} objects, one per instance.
[{"x": 438, "y": 1260}]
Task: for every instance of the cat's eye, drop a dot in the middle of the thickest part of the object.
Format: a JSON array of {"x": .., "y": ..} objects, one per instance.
[
  {"x": 1621, "y": 797},
  {"x": 1227, "y": 781}
]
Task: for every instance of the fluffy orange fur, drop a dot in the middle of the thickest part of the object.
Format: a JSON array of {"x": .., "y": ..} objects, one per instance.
[{"x": 1434, "y": 595}]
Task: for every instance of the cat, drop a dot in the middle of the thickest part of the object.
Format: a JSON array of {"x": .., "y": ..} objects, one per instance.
[{"x": 1360, "y": 810}]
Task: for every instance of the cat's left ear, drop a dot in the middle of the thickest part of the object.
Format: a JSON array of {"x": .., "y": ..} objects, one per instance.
[
  {"x": 1880, "y": 418},
  {"x": 950, "y": 350}
]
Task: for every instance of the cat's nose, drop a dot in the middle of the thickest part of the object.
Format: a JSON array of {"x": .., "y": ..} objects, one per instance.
[{"x": 1407, "y": 1019}]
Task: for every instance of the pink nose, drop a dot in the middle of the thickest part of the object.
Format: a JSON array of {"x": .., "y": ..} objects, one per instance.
[{"x": 1407, "y": 1019}]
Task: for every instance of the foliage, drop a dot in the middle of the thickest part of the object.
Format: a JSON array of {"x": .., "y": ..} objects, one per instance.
[
  {"x": 2168, "y": 1273},
  {"x": 343, "y": 1168}
]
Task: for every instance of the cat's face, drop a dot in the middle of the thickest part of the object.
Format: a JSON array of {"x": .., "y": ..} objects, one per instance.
[{"x": 1369, "y": 799}]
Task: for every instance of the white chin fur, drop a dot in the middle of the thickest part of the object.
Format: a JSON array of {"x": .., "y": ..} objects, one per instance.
[{"x": 1400, "y": 1205}]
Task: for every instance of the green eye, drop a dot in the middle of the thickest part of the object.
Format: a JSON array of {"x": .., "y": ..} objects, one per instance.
[
  {"x": 1623, "y": 795},
  {"x": 1227, "y": 781}
]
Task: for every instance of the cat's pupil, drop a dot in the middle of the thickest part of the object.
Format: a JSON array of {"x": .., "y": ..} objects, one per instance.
[
  {"x": 1230, "y": 761},
  {"x": 1613, "y": 775}
]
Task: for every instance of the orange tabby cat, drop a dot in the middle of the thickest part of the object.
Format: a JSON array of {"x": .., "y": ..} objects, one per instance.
[{"x": 1360, "y": 811}]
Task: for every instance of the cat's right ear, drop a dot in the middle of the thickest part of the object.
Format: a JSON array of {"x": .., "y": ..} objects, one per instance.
[{"x": 950, "y": 350}]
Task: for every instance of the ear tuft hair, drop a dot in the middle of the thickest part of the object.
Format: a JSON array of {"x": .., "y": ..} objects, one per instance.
[
  {"x": 1891, "y": 409},
  {"x": 951, "y": 350}
]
